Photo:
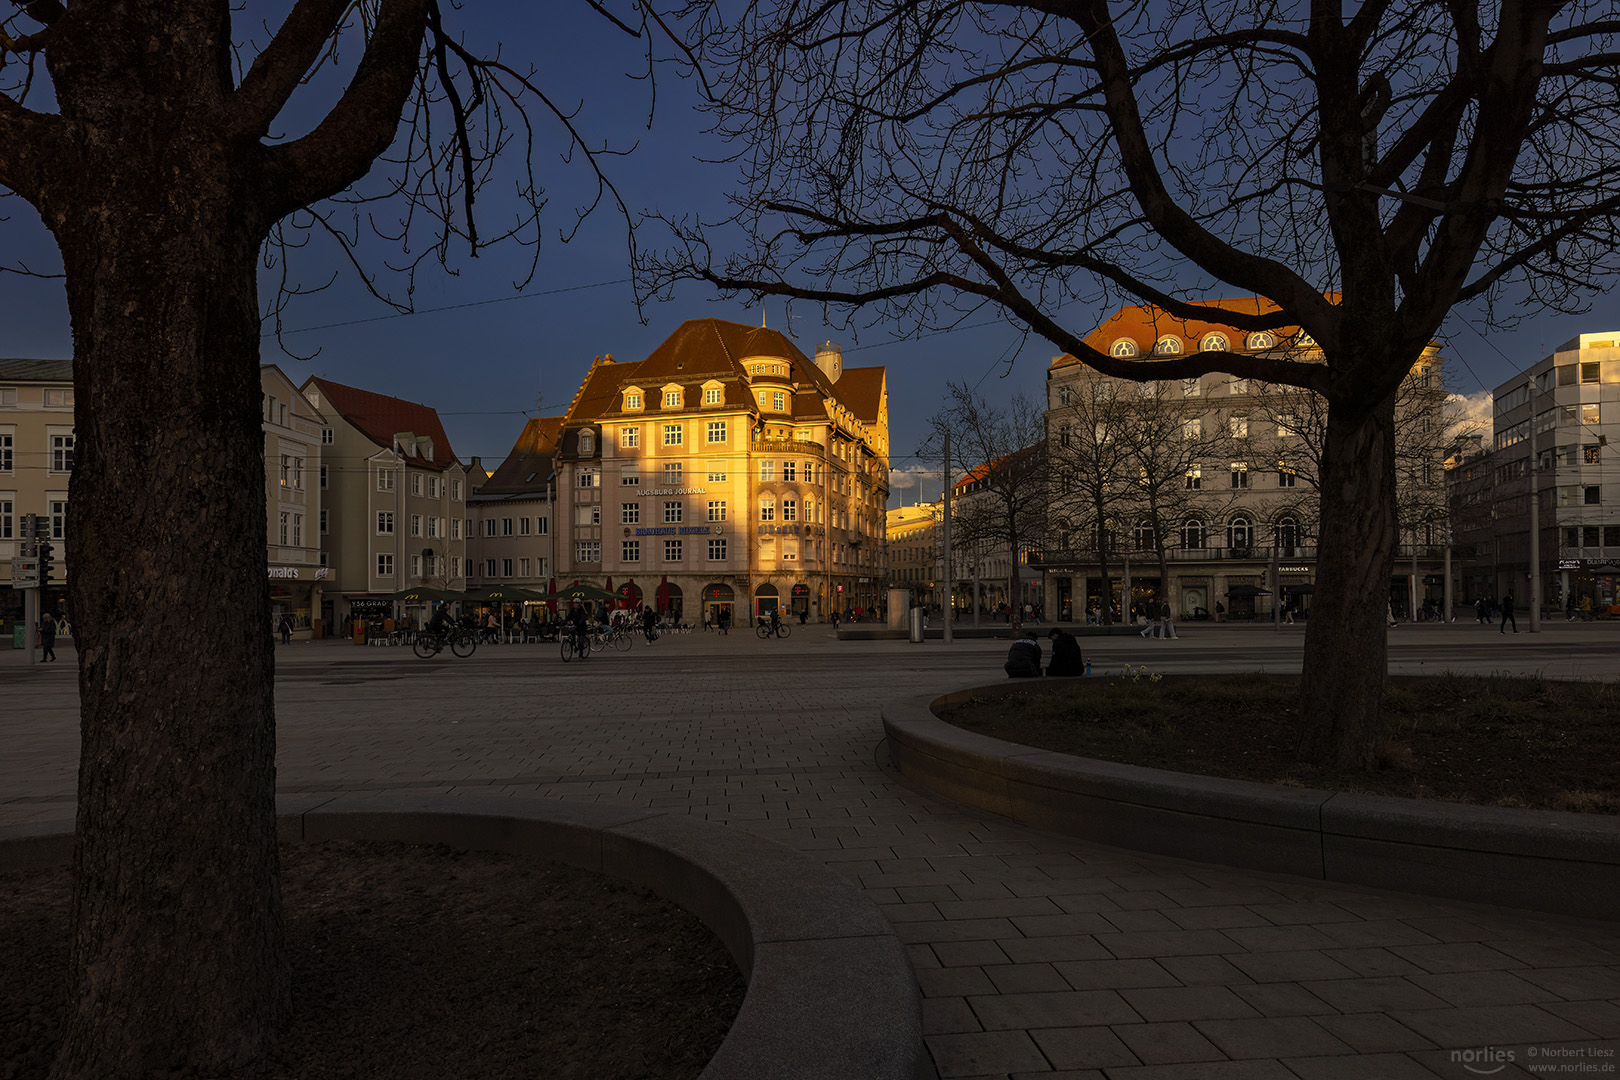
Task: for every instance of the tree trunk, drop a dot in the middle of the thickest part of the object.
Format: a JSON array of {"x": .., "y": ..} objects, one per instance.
[
  {"x": 177, "y": 956},
  {"x": 1346, "y": 646}
]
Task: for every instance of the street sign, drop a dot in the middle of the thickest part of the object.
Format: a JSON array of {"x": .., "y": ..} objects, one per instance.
[{"x": 25, "y": 573}]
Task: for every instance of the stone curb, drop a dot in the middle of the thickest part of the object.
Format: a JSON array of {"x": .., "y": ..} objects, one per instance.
[
  {"x": 831, "y": 994},
  {"x": 1542, "y": 860}
]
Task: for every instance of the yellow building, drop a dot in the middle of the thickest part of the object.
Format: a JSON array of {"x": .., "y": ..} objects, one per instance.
[
  {"x": 914, "y": 551},
  {"x": 726, "y": 471}
]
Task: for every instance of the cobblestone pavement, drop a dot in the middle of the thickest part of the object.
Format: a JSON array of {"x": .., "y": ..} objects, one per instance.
[{"x": 1037, "y": 955}]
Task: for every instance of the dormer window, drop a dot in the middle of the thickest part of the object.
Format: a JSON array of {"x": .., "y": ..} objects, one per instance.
[
  {"x": 714, "y": 395},
  {"x": 1214, "y": 343},
  {"x": 672, "y": 397},
  {"x": 633, "y": 399},
  {"x": 1262, "y": 340},
  {"x": 1123, "y": 347},
  {"x": 587, "y": 442},
  {"x": 424, "y": 446},
  {"x": 1167, "y": 346}
]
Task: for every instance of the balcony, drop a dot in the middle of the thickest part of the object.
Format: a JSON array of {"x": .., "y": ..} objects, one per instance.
[{"x": 788, "y": 446}]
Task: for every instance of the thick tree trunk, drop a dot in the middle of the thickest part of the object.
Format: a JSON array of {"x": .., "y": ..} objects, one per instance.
[
  {"x": 1346, "y": 649},
  {"x": 177, "y": 956}
]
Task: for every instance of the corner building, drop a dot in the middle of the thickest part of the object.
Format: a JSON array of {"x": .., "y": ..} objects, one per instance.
[{"x": 727, "y": 472}]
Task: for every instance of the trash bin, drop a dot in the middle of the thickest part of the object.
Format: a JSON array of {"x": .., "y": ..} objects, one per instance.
[
  {"x": 19, "y": 636},
  {"x": 916, "y": 625}
]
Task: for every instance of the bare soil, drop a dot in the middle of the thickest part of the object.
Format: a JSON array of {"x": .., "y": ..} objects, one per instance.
[
  {"x": 1489, "y": 740},
  {"x": 425, "y": 963}
]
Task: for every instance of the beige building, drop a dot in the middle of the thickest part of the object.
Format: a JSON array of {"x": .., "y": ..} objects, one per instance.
[
  {"x": 1244, "y": 523},
  {"x": 512, "y": 541},
  {"x": 914, "y": 550},
  {"x": 395, "y": 500},
  {"x": 299, "y": 577},
  {"x": 36, "y": 462},
  {"x": 727, "y": 471}
]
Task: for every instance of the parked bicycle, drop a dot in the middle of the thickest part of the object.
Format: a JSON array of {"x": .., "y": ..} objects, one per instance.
[
  {"x": 764, "y": 629},
  {"x": 429, "y": 643}
]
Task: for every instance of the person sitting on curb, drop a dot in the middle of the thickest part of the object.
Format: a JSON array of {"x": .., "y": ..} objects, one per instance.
[
  {"x": 1066, "y": 658},
  {"x": 1024, "y": 658}
]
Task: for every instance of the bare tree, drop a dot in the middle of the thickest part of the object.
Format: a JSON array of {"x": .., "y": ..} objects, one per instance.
[
  {"x": 1088, "y": 451},
  {"x": 1361, "y": 167},
  {"x": 1002, "y": 507},
  {"x": 142, "y": 133}
]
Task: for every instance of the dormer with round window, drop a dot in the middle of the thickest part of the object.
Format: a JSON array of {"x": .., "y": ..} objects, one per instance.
[
  {"x": 1215, "y": 343},
  {"x": 1124, "y": 347},
  {"x": 1169, "y": 345},
  {"x": 587, "y": 443},
  {"x": 1260, "y": 341}
]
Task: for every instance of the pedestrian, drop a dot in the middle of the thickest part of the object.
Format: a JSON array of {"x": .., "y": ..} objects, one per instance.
[
  {"x": 1220, "y": 611},
  {"x": 1150, "y": 623},
  {"x": 708, "y": 619},
  {"x": 725, "y": 620},
  {"x": 1288, "y": 612},
  {"x": 47, "y": 637},
  {"x": 1024, "y": 658},
  {"x": 649, "y": 624},
  {"x": 1167, "y": 619},
  {"x": 286, "y": 630},
  {"x": 1479, "y": 611},
  {"x": 1066, "y": 656},
  {"x": 1507, "y": 615}
]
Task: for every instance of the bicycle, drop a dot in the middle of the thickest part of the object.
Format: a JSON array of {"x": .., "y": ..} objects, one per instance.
[
  {"x": 575, "y": 646},
  {"x": 765, "y": 630},
  {"x": 429, "y": 643},
  {"x": 615, "y": 635}
]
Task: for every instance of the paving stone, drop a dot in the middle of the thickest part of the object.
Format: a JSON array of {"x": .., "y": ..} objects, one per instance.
[
  {"x": 1373, "y": 995},
  {"x": 1026, "y": 978},
  {"x": 979, "y": 890},
  {"x": 968, "y": 953},
  {"x": 1270, "y": 1037},
  {"x": 1371, "y": 962},
  {"x": 1083, "y": 1047},
  {"x": 1203, "y": 970},
  {"x": 1074, "y": 1008},
  {"x": 902, "y": 913},
  {"x": 917, "y": 894},
  {"x": 947, "y": 1014},
  {"x": 1482, "y": 988},
  {"x": 1013, "y": 907},
  {"x": 1206, "y": 1070},
  {"x": 1359, "y": 1067},
  {"x": 1556, "y": 952},
  {"x": 985, "y": 1053},
  {"x": 1457, "y": 956},
  {"x": 1074, "y": 903},
  {"x": 1216, "y": 917},
  {"x": 1290, "y": 914},
  {"x": 1140, "y": 901},
  {"x": 1146, "y": 920},
  {"x": 1207, "y": 895},
  {"x": 1279, "y": 938},
  {"x": 1046, "y": 950},
  {"x": 1372, "y": 1033},
  {"x": 1448, "y": 928},
  {"x": 1187, "y": 1003},
  {"x": 1289, "y": 966},
  {"x": 954, "y": 981},
  {"x": 1164, "y": 1043},
  {"x": 1114, "y": 974},
  {"x": 1601, "y": 1018},
  {"x": 1061, "y": 925},
  {"x": 1576, "y": 983},
  {"x": 1153, "y": 943},
  {"x": 914, "y": 933},
  {"x": 1282, "y": 999},
  {"x": 1495, "y": 1025}
]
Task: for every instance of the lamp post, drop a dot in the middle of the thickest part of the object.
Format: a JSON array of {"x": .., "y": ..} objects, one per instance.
[{"x": 1535, "y": 519}]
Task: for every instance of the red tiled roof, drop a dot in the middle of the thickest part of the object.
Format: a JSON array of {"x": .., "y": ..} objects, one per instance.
[
  {"x": 528, "y": 467},
  {"x": 861, "y": 389},
  {"x": 380, "y": 417},
  {"x": 1145, "y": 324}
]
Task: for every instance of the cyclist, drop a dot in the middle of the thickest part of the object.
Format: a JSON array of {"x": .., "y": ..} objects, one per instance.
[
  {"x": 578, "y": 622},
  {"x": 440, "y": 622},
  {"x": 776, "y": 620}
]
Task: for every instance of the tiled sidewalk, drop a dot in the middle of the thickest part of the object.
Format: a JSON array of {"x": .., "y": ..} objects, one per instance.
[{"x": 1038, "y": 955}]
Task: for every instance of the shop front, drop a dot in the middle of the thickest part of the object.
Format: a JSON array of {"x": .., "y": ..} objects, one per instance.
[
  {"x": 718, "y": 597},
  {"x": 296, "y": 598}
]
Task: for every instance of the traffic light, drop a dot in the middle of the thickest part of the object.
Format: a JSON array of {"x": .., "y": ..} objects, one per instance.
[{"x": 43, "y": 549}]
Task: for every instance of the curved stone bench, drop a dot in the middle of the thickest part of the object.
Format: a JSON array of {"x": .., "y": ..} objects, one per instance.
[
  {"x": 1539, "y": 859},
  {"x": 830, "y": 994}
]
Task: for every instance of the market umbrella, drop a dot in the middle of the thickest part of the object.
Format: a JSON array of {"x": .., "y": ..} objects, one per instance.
[
  {"x": 550, "y": 597},
  {"x": 1608, "y": 570},
  {"x": 1247, "y": 590},
  {"x": 425, "y": 595},
  {"x": 580, "y": 591},
  {"x": 503, "y": 595}
]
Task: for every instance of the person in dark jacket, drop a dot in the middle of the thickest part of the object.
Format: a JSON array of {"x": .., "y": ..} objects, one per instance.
[
  {"x": 1024, "y": 658},
  {"x": 1066, "y": 658},
  {"x": 1507, "y": 615},
  {"x": 47, "y": 638}
]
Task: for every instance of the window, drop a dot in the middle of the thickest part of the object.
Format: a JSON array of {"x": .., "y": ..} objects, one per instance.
[
  {"x": 588, "y": 551},
  {"x": 1611, "y": 536},
  {"x": 632, "y": 401},
  {"x": 1287, "y": 534},
  {"x": 672, "y": 512},
  {"x": 1142, "y": 535},
  {"x": 385, "y": 522},
  {"x": 1238, "y": 386},
  {"x": 455, "y": 528},
  {"x": 542, "y": 526},
  {"x": 629, "y": 438},
  {"x": 672, "y": 551},
  {"x": 1191, "y": 388},
  {"x": 61, "y": 453},
  {"x": 1167, "y": 346},
  {"x": 323, "y": 477},
  {"x": 506, "y": 568},
  {"x": 506, "y": 526},
  {"x": 1192, "y": 429},
  {"x": 416, "y": 524},
  {"x": 523, "y": 526},
  {"x": 630, "y": 551},
  {"x": 327, "y": 437},
  {"x": 416, "y": 483},
  {"x": 1591, "y": 455},
  {"x": 790, "y": 510},
  {"x": 1592, "y": 496},
  {"x": 283, "y": 532},
  {"x": 588, "y": 478},
  {"x": 672, "y": 434},
  {"x": 323, "y": 523},
  {"x": 1589, "y": 536},
  {"x": 8, "y": 395},
  {"x": 767, "y": 472},
  {"x": 1123, "y": 348},
  {"x": 5, "y": 452},
  {"x": 1239, "y": 426},
  {"x": 713, "y": 395},
  {"x": 672, "y": 399},
  {"x": 629, "y": 513},
  {"x": 587, "y": 442},
  {"x": 1260, "y": 341},
  {"x": 717, "y": 431},
  {"x": 717, "y": 549},
  {"x": 1239, "y": 533},
  {"x": 790, "y": 471},
  {"x": 1240, "y": 474},
  {"x": 455, "y": 490},
  {"x": 779, "y": 401},
  {"x": 1590, "y": 371},
  {"x": 673, "y": 472},
  {"x": 1192, "y": 533},
  {"x": 1065, "y": 394},
  {"x": 432, "y": 527},
  {"x": 767, "y": 509},
  {"x": 630, "y": 478},
  {"x": 717, "y": 510},
  {"x": 588, "y": 514},
  {"x": 489, "y": 526},
  {"x": 385, "y": 479},
  {"x": 717, "y": 472},
  {"x": 385, "y": 565},
  {"x": 523, "y": 567},
  {"x": 1287, "y": 426},
  {"x": 1286, "y": 476},
  {"x": 1589, "y": 415},
  {"x": 60, "y": 398},
  {"x": 1214, "y": 343},
  {"x": 432, "y": 481},
  {"x": 489, "y": 567},
  {"x": 58, "y": 512},
  {"x": 1566, "y": 374}
]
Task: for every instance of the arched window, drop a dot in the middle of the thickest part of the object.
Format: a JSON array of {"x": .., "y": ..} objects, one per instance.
[
  {"x": 1261, "y": 340},
  {"x": 1065, "y": 393},
  {"x": 1123, "y": 347},
  {"x": 587, "y": 442},
  {"x": 1214, "y": 343},
  {"x": 1287, "y": 530},
  {"x": 1239, "y": 532},
  {"x": 1143, "y": 535},
  {"x": 1192, "y": 534},
  {"x": 1169, "y": 345}
]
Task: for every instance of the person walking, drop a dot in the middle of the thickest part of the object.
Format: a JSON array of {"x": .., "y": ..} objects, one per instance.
[
  {"x": 649, "y": 624},
  {"x": 708, "y": 620},
  {"x": 47, "y": 638},
  {"x": 286, "y": 630},
  {"x": 1167, "y": 620},
  {"x": 725, "y": 620},
  {"x": 1507, "y": 615}
]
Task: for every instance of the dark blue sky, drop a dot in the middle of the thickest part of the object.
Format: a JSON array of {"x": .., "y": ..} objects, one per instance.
[{"x": 486, "y": 367}]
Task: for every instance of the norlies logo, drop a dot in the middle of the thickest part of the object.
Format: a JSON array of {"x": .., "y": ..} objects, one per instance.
[{"x": 1485, "y": 1060}]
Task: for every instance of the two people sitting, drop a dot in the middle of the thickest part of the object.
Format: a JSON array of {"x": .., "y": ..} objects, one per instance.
[{"x": 1024, "y": 658}]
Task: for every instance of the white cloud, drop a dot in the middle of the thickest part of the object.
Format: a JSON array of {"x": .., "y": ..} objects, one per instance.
[
  {"x": 1471, "y": 414},
  {"x": 913, "y": 484}
]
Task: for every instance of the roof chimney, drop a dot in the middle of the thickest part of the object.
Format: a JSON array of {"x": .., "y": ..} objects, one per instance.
[{"x": 830, "y": 359}]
